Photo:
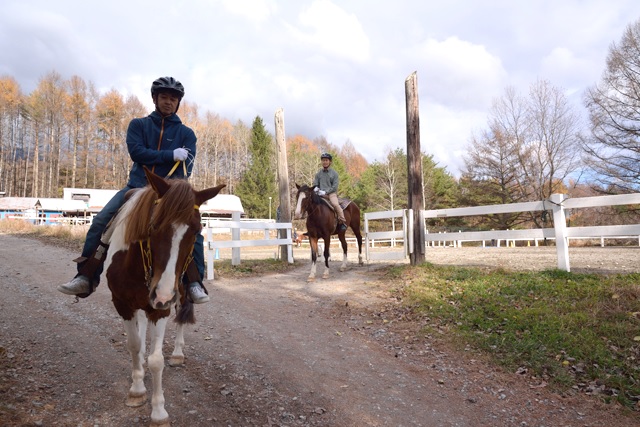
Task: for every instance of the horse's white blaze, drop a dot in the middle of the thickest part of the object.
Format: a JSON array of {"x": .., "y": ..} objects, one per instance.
[
  {"x": 298, "y": 212},
  {"x": 165, "y": 288}
]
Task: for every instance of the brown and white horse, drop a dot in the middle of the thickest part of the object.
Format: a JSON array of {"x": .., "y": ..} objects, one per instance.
[
  {"x": 149, "y": 250},
  {"x": 321, "y": 224}
]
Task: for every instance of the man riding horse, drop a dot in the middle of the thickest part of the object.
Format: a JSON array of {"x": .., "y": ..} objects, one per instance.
[{"x": 326, "y": 184}]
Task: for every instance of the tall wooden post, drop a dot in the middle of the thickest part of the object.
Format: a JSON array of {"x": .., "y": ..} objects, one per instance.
[
  {"x": 414, "y": 166},
  {"x": 283, "y": 179}
]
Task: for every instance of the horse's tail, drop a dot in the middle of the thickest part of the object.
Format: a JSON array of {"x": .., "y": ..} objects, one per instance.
[{"x": 186, "y": 313}]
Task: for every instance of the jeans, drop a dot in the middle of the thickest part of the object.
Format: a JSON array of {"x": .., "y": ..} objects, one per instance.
[{"x": 99, "y": 225}]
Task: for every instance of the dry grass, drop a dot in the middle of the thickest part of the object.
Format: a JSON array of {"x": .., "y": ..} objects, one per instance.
[{"x": 71, "y": 238}]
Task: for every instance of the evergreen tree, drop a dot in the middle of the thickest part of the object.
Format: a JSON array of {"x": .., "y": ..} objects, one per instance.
[{"x": 259, "y": 180}]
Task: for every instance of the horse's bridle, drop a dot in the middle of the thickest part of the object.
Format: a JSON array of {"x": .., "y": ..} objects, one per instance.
[
  {"x": 311, "y": 207},
  {"x": 147, "y": 259}
]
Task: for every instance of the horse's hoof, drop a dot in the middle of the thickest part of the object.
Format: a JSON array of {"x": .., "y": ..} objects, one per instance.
[
  {"x": 134, "y": 401},
  {"x": 325, "y": 276},
  {"x": 311, "y": 279},
  {"x": 161, "y": 423},
  {"x": 176, "y": 361},
  {"x": 343, "y": 268}
]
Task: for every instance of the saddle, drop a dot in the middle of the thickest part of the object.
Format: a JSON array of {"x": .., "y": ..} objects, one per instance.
[{"x": 341, "y": 201}]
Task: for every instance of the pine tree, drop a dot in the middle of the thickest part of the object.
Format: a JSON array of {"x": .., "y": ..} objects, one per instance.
[{"x": 259, "y": 180}]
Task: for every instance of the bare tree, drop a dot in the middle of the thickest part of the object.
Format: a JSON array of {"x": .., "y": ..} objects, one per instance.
[
  {"x": 77, "y": 116},
  {"x": 613, "y": 148},
  {"x": 530, "y": 149},
  {"x": 11, "y": 102}
]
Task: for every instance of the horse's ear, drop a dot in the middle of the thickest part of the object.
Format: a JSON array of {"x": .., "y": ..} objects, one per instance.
[
  {"x": 159, "y": 184},
  {"x": 297, "y": 186},
  {"x": 209, "y": 193}
]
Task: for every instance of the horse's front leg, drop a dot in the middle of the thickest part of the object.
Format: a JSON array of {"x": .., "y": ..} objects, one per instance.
[
  {"x": 159, "y": 416},
  {"x": 327, "y": 244},
  {"x": 313, "y": 243},
  {"x": 343, "y": 242},
  {"x": 141, "y": 317},
  {"x": 137, "y": 393}
]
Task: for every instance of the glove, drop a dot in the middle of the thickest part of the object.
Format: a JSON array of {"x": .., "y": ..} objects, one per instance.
[
  {"x": 180, "y": 154},
  {"x": 315, "y": 190},
  {"x": 321, "y": 193}
]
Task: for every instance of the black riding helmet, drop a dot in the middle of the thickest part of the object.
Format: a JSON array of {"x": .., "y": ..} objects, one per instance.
[
  {"x": 326, "y": 156},
  {"x": 167, "y": 84}
]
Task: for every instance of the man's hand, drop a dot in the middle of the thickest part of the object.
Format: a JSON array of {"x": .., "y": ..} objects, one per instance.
[
  {"x": 321, "y": 193},
  {"x": 180, "y": 154},
  {"x": 315, "y": 190}
]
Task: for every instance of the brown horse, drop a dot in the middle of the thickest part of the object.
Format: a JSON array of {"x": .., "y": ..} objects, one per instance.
[
  {"x": 322, "y": 223},
  {"x": 149, "y": 249}
]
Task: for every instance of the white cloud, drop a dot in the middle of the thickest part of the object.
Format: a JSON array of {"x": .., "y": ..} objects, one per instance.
[
  {"x": 334, "y": 31},
  {"x": 460, "y": 73},
  {"x": 253, "y": 10}
]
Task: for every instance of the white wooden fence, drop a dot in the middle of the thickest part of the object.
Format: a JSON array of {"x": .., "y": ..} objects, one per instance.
[
  {"x": 557, "y": 203},
  {"x": 403, "y": 234},
  {"x": 235, "y": 226}
]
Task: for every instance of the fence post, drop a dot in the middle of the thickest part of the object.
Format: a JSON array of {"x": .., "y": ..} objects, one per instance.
[
  {"x": 560, "y": 228},
  {"x": 210, "y": 257},
  {"x": 235, "y": 235}
]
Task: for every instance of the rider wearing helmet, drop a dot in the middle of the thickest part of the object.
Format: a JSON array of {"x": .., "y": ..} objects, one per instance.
[
  {"x": 326, "y": 184},
  {"x": 157, "y": 142}
]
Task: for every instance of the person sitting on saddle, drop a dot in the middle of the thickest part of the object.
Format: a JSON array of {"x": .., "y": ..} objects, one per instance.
[
  {"x": 158, "y": 142},
  {"x": 326, "y": 184}
]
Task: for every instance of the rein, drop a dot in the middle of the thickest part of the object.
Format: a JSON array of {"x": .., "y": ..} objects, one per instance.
[{"x": 175, "y": 166}]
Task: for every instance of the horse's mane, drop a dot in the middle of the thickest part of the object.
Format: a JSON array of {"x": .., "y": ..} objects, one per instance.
[{"x": 151, "y": 211}]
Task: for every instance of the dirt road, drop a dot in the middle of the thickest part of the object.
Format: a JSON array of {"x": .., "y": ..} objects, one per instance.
[{"x": 271, "y": 351}]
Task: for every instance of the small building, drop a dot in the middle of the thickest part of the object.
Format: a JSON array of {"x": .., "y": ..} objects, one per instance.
[
  {"x": 40, "y": 210},
  {"x": 79, "y": 205}
]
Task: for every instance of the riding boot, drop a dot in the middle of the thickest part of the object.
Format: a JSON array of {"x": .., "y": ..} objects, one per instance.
[{"x": 89, "y": 266}]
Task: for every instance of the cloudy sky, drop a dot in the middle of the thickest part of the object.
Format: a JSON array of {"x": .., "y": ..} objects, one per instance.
[{"x": 336, "y": 67}]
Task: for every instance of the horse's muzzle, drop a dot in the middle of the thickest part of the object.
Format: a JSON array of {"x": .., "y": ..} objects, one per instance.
[{"x": 162, "y": 304}]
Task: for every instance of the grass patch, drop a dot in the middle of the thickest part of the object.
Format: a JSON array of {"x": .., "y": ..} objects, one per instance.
[
  {"x": 573, "y": 330},
  {"x": 252, "y": 268}
]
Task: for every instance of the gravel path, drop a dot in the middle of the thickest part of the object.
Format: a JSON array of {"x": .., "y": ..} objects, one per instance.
[{"x": 270, "y": 351}]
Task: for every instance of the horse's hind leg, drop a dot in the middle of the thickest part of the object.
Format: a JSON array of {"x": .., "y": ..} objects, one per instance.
[
  {"x": 343, "y": 242},
  {"x": 137, "y": 393},
  {"x": 327, "y": 244},
  {"x": 177, "y": 357},
  {"x": 359, "y": 240},
  {"x": 313, "y": 243}
]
